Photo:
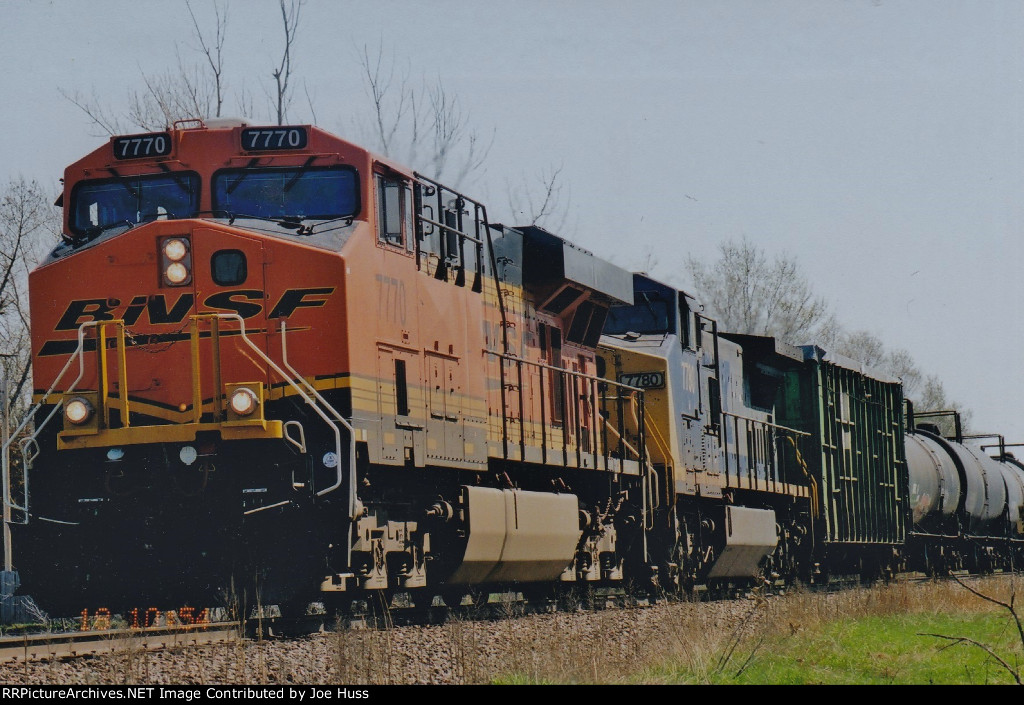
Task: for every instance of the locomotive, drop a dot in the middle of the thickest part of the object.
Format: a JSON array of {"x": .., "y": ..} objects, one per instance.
[{"x": 270, "y": 362}]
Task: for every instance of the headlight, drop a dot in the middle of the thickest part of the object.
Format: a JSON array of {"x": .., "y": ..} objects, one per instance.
[
  {"x": 244, "y": 401},
  {"x": 177, "y": 273},
  {"x": 175, "y": 249},
  {"x": 175, "y": 260},
  {"x": 78, "y": 411}
]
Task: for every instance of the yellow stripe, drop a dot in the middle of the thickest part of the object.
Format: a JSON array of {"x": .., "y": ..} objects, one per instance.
[{"x": 171, "y": 433}]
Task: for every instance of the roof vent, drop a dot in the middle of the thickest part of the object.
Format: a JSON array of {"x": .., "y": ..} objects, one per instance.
[{"x": 225, "y": 123}]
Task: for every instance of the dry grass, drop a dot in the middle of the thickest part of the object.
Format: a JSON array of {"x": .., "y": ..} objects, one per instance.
[{"x": 715, "y": 642}]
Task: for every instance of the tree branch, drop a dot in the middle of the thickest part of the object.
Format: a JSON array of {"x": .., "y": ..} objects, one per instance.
[
  {"x": 964, "y": 640},
  {"x": 1007, "y": 606}
]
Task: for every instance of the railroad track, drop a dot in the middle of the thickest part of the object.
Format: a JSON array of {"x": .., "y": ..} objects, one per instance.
[
  {"x": 36, "y": 647},
  {"x": 44, "y": 646}
]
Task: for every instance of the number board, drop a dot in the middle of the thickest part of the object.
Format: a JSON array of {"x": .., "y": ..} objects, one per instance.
[
  {"x": 154, "y": 144},
  {"x": 643, "y": 380},
  {"x": 264, "y": 139}
]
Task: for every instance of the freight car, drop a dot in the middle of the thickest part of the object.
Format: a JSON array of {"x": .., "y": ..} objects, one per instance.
[
  {"x": 268, "y": 362},
  {"x": 967, "y": 507}
]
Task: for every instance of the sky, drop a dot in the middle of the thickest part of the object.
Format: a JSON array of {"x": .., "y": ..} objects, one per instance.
[{"x": 879, "y": 142}]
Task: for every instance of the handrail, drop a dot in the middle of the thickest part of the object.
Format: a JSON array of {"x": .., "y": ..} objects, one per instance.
[
  {"x": 23, "y": 442},
  {"x": 649, "y": 493},
  {"x": 594, "y": 414},
  {"x": 243, "y": 334},
  {"x": 624, "y": 442},
  {"x": 813, "y": 483},
  {"x": 337, "y": 416},
  {"x": 581, "y": 375},
  {"x": 767, "y": 423},
  {"x": 765, "y": 434},
  {"x": 662, "y": 446},
  {"x": 309, "y": 399}
]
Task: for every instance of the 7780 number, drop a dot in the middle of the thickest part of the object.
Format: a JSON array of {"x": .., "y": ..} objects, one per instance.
[{"x": 644, "y": 380}]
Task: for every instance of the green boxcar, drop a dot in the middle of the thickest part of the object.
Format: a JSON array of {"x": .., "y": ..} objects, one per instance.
[{"x": 856, "y": 452}]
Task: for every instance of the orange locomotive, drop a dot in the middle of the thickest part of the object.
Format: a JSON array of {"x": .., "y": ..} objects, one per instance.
[{"x": 266, "y": 358}]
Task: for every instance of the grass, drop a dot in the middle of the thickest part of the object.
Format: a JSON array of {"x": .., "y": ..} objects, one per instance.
[
  {"x": 867, "y": 636},
  {"x": 868, "y": 650}
]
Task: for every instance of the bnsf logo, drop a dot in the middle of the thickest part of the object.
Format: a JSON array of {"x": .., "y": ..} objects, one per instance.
[
  {"x": 240, "y": 301},
  {"x": 247, "y": 303}
]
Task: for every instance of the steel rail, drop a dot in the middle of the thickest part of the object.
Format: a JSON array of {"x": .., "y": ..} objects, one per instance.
[{"x": 38, "y": 647}]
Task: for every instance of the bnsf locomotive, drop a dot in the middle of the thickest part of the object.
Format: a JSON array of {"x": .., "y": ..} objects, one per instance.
[{"x": 269, "y": 362}]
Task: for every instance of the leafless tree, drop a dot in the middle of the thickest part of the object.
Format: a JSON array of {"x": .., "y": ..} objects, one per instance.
[
  {"x": 28, "y": 224},
  {"x": 933, "y": 397},
  {"x": 544, "y": 202},
  {"x": 863, "y": 346},
  {"x": 926, "y": 391},
  {"x": 425, "y": 127},
  {"x": 750, "y": 293},
  {"x": 182, "y": 93},
  {"x": 194, "y": 89},
  {"x": 900, "y": 363},
  {"x": 186, "y": 91},
  {"x": 290, "y": 12},
  {"x": 213, "y": 51}
]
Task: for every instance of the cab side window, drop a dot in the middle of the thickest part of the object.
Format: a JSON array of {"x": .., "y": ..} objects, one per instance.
[
  {"x": 389, "y": 211},
  {"x": 407, "y": 219}
]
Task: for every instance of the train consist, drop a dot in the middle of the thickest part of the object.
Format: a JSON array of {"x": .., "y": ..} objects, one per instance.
[{"x": 269, "y": 362}]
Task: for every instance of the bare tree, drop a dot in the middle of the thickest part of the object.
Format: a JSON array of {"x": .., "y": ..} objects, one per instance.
[
  {"x": 933, "y": 397},
  {"x": 194, "y": 89},
  {"x": 177, "y": 94},
  {"x": 186, "y": 91},
  {"x": 927, "y": 392},
  {"x": 425, "y": 127},
  {"x": 750, "y": 293},
  {"x": 900, "y": 363},
  {"x": 546, "y": 205},
  {"x": 28, "y": 224},
  {"x": 863, "y": 346},
  {"x": 290, "y": 12},
  {"x": 213, "y": 51}
]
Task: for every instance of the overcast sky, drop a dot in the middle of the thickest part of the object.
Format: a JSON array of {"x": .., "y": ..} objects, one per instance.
[{"x": 880, "y": 142}]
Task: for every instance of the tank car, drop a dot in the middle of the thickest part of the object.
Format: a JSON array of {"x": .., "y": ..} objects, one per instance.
[
  {"x": 269, "y": 364},
  {"x": 967, "y": 506}
]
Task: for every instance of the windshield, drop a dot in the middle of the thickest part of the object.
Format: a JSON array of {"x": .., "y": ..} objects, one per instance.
[
  {"x": 653, "y": 313},
  {"x": 301, "y": 193},
  {"x": 103, "y": 203}
]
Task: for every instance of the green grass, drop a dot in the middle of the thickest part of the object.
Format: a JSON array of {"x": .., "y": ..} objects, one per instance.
[
  {"x": 877, "y": 635},
  {"x": 869, "y": 650}
]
